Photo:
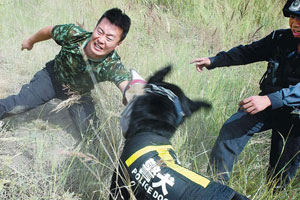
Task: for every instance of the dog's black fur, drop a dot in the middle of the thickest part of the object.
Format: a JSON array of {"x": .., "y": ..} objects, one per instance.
[{"x": 153, "y": 122}]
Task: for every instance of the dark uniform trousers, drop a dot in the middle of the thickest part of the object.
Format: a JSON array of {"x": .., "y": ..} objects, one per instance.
[
  {"x": 42, "y": 88},
  {"x": 238, "y": 129}
]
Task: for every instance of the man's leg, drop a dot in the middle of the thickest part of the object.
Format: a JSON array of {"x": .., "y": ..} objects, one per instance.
[
  {"x": 37, "y": 92},
  {"x": 233, "y": 136},
  {"x": 284, "y": 154},
  {"x": 83, "y": 114}
]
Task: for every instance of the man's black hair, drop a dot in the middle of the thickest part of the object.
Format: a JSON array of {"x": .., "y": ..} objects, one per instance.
[{"x": 118, "y": 18}]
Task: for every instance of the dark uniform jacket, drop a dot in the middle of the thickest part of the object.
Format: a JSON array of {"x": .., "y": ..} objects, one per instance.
[
  {"x": 155, "y": 173},
  {"x": 281, "y": 81}
]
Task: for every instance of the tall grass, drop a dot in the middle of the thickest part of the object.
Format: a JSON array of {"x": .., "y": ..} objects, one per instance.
[{"x": 163, "y": 31}]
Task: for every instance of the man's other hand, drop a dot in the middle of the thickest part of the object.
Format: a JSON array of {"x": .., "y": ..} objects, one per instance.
[{"x": 255, "y": 104}]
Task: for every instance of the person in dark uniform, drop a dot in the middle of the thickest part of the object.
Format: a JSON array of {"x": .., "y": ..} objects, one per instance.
[{"x": 275, "y": 108}]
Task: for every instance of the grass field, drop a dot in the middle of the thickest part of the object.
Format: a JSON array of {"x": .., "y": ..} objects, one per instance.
[{"x": 37, "y": 155}]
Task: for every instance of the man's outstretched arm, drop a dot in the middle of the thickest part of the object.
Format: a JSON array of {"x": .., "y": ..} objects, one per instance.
[{"x": 41, "y": 35}]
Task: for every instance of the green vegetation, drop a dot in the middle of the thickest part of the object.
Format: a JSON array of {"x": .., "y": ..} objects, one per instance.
[{"x": 37, "y": 160}]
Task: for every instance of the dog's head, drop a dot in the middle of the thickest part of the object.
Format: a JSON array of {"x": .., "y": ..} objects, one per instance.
[{"x": 161, "y": 109}]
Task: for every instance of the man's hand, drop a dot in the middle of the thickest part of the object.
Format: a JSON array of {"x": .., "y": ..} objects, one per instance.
[
  {"x": 255, "y": 104},
  {"x": 201, "y": 63},
  {"x": 133, "y": 88},
  {"x": 27, "y": 44}
]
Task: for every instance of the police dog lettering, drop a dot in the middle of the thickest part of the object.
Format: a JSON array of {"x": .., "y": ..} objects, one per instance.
[{"x": 149, "y": 168}]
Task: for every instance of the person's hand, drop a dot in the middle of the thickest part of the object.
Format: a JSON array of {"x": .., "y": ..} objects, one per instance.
[
  {"x": 27, "y": 44},
  {"x": 201, "y": 63},
  {"x": 134, "y": 88},
  {"x": 255, "y": 104}
]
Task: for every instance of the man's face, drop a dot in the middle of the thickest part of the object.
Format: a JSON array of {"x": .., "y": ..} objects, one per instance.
[
  {"x": 105, "y": 38},
  {"x": 295, "y": 25}
]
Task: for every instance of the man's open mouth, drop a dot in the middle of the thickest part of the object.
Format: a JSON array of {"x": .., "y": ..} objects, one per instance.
[{"x": 98, "y": 47}]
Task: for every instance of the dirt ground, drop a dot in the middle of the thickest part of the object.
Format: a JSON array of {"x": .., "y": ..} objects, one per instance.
[
  {"x": 31, "y": 146},
  {"x": 21, "y": 131}
]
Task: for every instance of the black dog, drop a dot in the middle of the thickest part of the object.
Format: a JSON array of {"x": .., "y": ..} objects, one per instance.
[{"x": 149, "y": 168}]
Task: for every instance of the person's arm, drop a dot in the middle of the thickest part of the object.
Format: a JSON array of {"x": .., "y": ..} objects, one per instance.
[
  {"x": 284, "y": 97},
  {"x": 240, "y": 55},
  {"x": 41, "y": 35}
]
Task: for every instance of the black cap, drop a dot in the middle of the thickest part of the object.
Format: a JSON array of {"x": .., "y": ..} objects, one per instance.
[{"x": 292, "y": 7}]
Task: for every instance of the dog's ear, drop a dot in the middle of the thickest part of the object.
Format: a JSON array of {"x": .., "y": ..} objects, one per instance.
[
  {"x": 196, "y": 105},
  {"x": 159, "y": 75}
]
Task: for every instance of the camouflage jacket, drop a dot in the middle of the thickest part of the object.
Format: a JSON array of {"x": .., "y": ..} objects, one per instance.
[{"x": 69, "y": 67}]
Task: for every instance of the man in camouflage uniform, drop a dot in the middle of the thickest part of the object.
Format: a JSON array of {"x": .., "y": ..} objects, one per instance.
[{"x": 69, "y": 70}]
